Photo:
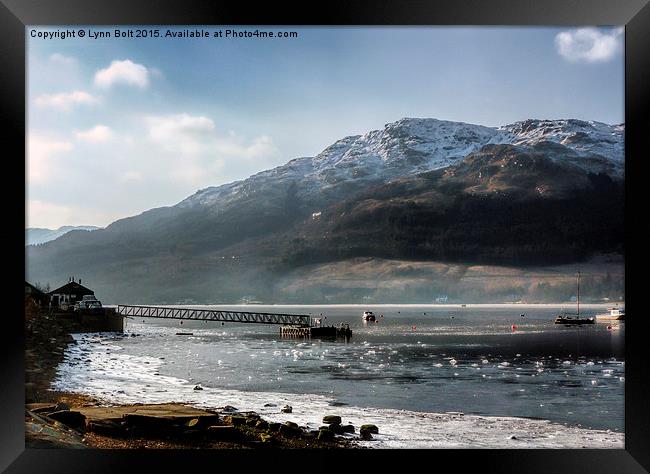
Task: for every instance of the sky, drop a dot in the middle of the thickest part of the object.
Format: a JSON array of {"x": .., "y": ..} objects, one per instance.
[{"x": 117, "y": 126}]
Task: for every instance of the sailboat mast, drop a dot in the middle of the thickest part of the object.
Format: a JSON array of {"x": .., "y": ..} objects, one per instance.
[{"x": 578, "y": 293}]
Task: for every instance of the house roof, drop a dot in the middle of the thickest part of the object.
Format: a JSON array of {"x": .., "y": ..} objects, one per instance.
[
  {"x": 33, "y": 289},
  {"x": 73, "y": 288}
]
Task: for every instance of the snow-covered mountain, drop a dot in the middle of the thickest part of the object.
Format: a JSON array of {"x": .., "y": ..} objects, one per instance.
[
  {"x": 37, "y": 235},
  {"x": 415, "y": 145},
  {"x": 416, "y": 189}
]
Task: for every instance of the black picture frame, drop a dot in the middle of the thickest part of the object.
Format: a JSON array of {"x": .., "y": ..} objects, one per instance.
[{"x": 634, "y": 14}]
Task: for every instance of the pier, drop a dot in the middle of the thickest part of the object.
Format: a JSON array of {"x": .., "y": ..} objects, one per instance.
[
  {"x": 302, "y": 320},
  {"x": 292, "y": 325}
]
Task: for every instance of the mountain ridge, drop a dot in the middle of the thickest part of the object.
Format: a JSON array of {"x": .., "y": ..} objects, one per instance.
[
  {"x": 414, "y": 176},
  {"x": 40, "y": 235}
]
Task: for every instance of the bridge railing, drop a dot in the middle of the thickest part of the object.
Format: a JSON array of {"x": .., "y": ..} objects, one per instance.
[{"x": 214, "y": 315}]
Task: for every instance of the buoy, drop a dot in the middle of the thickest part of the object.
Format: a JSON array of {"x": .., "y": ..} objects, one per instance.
[{"x": 514, "y": 327}]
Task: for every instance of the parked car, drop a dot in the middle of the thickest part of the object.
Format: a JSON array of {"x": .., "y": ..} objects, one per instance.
[{"x": 88, "y": 302}]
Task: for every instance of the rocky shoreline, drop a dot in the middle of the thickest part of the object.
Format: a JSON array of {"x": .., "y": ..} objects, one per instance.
[
  {"x": 86, "y": 423},
  {"x": 56, "y": 419}
]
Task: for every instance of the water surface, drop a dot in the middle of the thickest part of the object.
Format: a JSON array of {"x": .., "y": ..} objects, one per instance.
[{"x": 421, "y": 359}]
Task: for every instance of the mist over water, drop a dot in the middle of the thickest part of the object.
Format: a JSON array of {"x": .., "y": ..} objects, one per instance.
[{"x": 420, "y": 359}]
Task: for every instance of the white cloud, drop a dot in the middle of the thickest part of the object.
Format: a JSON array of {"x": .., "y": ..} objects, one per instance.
[
  {"x": 63, "y": 60},
  {"x": 123, "y": 72},
  {"x": 163, "y": 125},
  {"x": 181, "y": 133},
  {"x": 197, "y": 134},
  {"x": 196, "y": 153},
  {"x": 97, "y": 134},
  {"x": 65, "y": 100},
  {"x": 42, "y": 157},
  {"x": 236, "y": 147},
  {"x": 168, "y": 157},
  {"x": 589, "y": 44}
]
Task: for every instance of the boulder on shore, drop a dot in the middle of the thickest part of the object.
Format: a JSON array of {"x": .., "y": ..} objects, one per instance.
[
  {"x": 290, "y": 429},
  {"x": 325, "y": 435},
  {"x": 336, "y": 428},
  {"x": 365, "y": 435},
  {"x": 369, "y": 428},
  {"x": 332, "y": 419}
]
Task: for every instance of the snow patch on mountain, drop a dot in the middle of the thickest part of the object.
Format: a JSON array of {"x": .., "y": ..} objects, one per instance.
[
  {"x": 583, "y": 137},
  {"x": 415, "y": 145}
]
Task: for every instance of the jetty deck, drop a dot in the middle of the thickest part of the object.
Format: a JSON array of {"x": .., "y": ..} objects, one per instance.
[{"x": 292, "y": 325}]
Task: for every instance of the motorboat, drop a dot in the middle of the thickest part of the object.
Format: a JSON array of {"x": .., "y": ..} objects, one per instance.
[
  {"x": 369, "y": 316},
  {"x": 613, "y": 314}
]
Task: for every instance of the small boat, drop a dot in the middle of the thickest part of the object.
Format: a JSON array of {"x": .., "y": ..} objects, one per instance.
[
  {"x": 369, "y": 316},
  {"x": 570, "y": 320},
  {"x": 615, "y": 314},
  {"x": 574, "y": 319}
]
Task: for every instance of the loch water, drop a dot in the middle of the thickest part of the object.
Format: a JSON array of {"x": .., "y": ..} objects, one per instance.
[{"x": 431, "y": 359}]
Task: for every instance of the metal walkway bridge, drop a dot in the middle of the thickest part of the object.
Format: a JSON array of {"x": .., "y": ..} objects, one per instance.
[{"x": 301, "y": 320}]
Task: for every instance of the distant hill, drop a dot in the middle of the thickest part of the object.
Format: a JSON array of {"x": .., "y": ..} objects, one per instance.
[
  {"x": 536, "y": 193},
  {"x": 36, "y": 235}
]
